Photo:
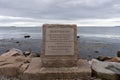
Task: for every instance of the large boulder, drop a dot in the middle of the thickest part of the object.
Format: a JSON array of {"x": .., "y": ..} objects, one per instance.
[
  {"x": 106, "y": 70},
  {"x": 13, "y": 66},
  {"x": 12, "y": 52}
]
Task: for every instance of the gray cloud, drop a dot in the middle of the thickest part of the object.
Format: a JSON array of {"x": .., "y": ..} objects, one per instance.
[
  {"x": 55, "y": 8},
  {"x": 59, "y": 9}
]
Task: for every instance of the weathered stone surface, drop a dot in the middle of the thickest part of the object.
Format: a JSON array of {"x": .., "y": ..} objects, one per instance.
[
  {"x": 9, "y": 70},
  {"x": 36, "y": 72},
  {"x": 94, "y": 78},
  {"x": 59, "y": 62},
  {"x": 103, "y": 58},
  {"x": 114, "y": 59},
  {"x": 12, "y": 52},
  {"x": 23, "y": 67},
  {"x": 59, "y": 45},
  {"x": 8, "y": 78},
  {"x": 106, "y": 70},
  {"x": 110, "y": 59},
  {"x": 32, "y": 73},
  {"x": 10, "y": 66}
]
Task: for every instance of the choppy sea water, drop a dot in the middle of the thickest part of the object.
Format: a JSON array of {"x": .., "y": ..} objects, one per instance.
[
  {"x": 20, "y": 32},
  {"x": 107, "y": 34},
  {"x": 36, "y": 32},
  {"x": 93, "y": 41}
]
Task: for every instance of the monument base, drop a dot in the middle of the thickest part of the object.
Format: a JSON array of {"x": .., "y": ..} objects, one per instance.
[
  {"x": 36, "y": 72},
  {"x": 59, "y": 63}
]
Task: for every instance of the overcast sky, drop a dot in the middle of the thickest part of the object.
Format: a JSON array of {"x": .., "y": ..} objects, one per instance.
[{"x": 80, "y": 12}]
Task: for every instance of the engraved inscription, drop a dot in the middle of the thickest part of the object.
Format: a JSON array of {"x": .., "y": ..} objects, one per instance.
[{"x": 59, "y": 41}]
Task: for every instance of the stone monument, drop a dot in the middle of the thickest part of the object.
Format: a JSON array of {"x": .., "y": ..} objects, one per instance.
[
  {"x": 59, "y": 48},
  {"x": 59, "y": 56}
]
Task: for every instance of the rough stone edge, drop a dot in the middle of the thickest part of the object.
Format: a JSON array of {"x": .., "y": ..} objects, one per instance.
[{"x": 37, "y": 75}]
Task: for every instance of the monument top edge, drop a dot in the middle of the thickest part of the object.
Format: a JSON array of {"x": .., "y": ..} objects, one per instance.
[{"x": 59, "y": 25}]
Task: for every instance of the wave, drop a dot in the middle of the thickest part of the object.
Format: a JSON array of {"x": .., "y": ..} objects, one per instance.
[{"x": 111, "y": 36}]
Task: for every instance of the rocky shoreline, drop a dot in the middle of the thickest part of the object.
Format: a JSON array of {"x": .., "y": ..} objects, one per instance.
[
  {"x": 88, "y": 49},
  {"x": 22, "y": 44},
  {"x": 14, "y": 62}
]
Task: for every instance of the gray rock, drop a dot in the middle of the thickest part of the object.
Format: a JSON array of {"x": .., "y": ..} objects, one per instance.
[
  {"x": 34, "y": 55},
  {"x": 118, "y": 54},
  {"x": 18, "y": 50},
  {"x": 12, "y": 52},
  {"x": 27, "y": 53},
  {"x": 27, "y": 36},
  {"x": 103, "y": 58},
  {"x": 106, "y": 70}
]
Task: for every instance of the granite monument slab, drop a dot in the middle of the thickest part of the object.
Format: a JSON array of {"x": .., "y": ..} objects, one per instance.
[{"x": 59, "y": 48}]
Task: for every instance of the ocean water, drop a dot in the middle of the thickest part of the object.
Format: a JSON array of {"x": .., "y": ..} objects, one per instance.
[
  {"x": 111, "y": 34},
  {"x": 105, "y": 34},
  {"x": 93, "y": 41},
  {"x": 20, "y": 32}
]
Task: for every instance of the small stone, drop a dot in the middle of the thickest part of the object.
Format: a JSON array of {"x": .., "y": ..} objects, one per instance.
[
  {"x": 118, "y": 54},
  {"x": 17, "y": 42},
  {"x": 27, "y": 53},
  {"x": 27, "y": 36},
  {"x": 103, "y": 58},
  {"x": 34, "y": 55}
]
